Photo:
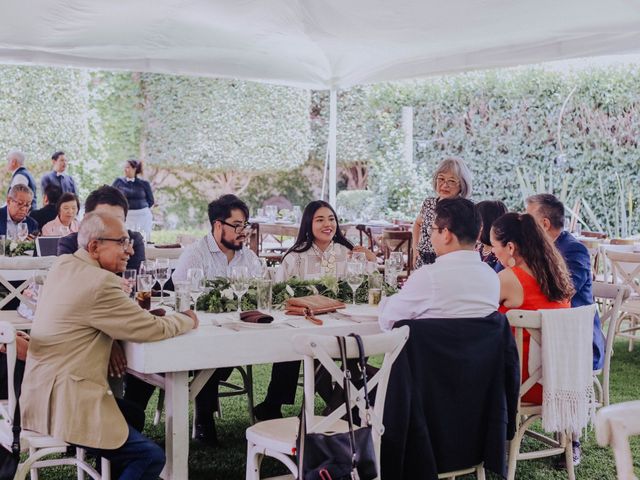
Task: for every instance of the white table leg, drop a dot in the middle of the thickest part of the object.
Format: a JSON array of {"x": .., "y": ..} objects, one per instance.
[{"x": 177, "y": 426}]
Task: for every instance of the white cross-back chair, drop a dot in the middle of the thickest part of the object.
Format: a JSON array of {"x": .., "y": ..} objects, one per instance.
[
  {"x": 614, "y": 425},
  {"x": 277, "y": 438},
  {"x": 528, "y": 413},
  {"x": 39, "y": 446},
  {"x": 609, "y": 299},
  {"x": 625, "y": 270},
  {"x": 24, "y": 271}
]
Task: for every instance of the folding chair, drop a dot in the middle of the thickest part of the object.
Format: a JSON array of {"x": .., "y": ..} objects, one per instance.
[
  {"x": 38, "y": 445},
  {"x": 609, "y": 299},
  {"x": 625, "y": 270},
  {"x": 528, "y": 413},
  {"x": 614, "y": 425},
  {"x": 277, "y": 438}
]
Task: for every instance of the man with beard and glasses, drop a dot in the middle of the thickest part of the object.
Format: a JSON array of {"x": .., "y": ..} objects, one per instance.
[{"x": 216, "y": 253}]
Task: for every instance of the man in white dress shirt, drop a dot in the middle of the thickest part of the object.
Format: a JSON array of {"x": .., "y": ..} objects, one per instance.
[
  {"x": 458, "y": 284},
  {"x": 223, "y": 247},
  {"x": 215, "y": 254}
]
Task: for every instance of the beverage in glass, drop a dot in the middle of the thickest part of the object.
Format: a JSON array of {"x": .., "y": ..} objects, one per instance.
[
  {"x": 263, "y": 294},
  {"x": 23, "y": 231},
  {"x": 195, "y": 277},
  {"x": 129, "y": 276},
  {"x": 239, "y": 281},
  {"x": 143, "y": 295},
  {"x": 354, "y": 276},
  {"x": 163, "y": 274},
  {"x": 183, "y": 295},
  {"x": 375, "y": 288}
]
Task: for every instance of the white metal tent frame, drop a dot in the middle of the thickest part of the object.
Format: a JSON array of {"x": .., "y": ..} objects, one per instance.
[{"x": 314, "y": 44}]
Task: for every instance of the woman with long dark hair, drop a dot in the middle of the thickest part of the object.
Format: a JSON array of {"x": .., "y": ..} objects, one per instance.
[
  {"x": 321, "y": 249},
  {"x": 535, "y": 275},
  {"x": 139, "y": 196}
]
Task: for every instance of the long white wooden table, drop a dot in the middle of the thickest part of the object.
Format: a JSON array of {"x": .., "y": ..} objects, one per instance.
[{"x": 234, "y": 343}]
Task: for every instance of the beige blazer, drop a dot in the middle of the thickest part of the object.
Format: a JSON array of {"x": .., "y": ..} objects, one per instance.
[{"x": 81, "y": 310}]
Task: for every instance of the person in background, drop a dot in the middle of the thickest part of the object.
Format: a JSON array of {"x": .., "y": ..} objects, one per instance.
[
  {"x": 451, "y": 179},
  {"x": 65, "y": 392},
  {"x": 20, "y": 174},
  {"x": 489, "y": 211},
  {"x": 57, "y": 176},
  {"x": 16, "y": 211},
  {"x": 65, "y": 222},
  {"x": 139, "y": 196},
  {"x": 49, "y": 211}
]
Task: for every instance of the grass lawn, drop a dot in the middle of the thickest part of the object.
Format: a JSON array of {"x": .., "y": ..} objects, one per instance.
[{"x": 228, "y": 461}]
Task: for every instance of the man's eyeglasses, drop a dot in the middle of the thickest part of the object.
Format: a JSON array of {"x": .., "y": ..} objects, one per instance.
[
  {"x": 125, "y": 242},
  {"x": 21, "y": 204},
  {"x": 238, "y": 228},
  {"x": 431, "y": 228},
  {"x": 450, "y": 182}
]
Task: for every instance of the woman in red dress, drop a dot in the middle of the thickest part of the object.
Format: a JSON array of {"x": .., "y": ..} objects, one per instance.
[{"x": 535, "y": 276}]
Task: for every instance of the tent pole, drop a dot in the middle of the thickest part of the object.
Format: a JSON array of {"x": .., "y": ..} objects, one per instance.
[{"x": 333, "y": 121}]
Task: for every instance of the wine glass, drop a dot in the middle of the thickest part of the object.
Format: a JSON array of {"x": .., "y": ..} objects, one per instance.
[
  {"x": 23, "y": 231},
  {"x": 163, "y": 274},
  {"x": 130, "y": 276},
  {"x": 354, "y": 276},
  {"x": 359, "y": 257},
  {"x": 195, "y": 276},
  {"x": 397, "y": 259},
  {"x": 239, "y": 280}
]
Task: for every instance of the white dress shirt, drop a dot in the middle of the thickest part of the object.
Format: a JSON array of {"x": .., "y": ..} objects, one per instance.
[
  {"x": 457, "y": 285},
  {"x": 206, "y": 254}
]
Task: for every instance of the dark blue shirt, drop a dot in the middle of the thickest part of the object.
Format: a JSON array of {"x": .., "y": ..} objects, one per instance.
[
  {"x": 138, "y": 192},
  {"x": 65, "y": 182},
  {"x": 578, "y": 262}
]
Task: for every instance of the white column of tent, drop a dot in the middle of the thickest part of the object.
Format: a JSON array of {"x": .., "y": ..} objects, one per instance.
[{"x": 333, "y": 121}]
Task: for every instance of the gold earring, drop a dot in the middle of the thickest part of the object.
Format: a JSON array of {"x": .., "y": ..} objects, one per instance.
[{"x": 511, "y": 262}]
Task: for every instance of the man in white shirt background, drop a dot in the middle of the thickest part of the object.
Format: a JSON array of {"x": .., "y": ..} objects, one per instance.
[
  {"x": 215, "y": 254},
  {"x": 458, "y": 284}
]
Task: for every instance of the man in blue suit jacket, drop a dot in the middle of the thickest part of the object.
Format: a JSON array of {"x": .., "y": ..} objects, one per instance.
[
  {"x": 16, "y": 211},
  {"x": 549, "y": 213}
]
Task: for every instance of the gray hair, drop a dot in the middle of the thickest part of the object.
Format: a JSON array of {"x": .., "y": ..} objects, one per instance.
[
  {"x": 457, "y": 167},
  {"x": 93, "y": 226},
  {"x": 17, "y": 155},
  {"x": 19, "y": 188}
]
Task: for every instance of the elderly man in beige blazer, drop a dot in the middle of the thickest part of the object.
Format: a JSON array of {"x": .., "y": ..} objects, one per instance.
[{"x": 82, "y": 309}]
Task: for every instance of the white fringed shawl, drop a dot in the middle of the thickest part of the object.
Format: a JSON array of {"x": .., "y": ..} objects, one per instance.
[{"x": 568, "y": 401}]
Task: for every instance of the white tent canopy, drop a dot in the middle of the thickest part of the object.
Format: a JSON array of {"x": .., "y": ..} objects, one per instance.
[{"x": 318, "y": 44}]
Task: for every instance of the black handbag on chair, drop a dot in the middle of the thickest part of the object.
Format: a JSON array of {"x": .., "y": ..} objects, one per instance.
[{"x": 339, "y": 456}]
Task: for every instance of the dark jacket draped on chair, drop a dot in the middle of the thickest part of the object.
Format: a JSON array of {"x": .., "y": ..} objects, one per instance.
[{"x": 452, "y": 398}]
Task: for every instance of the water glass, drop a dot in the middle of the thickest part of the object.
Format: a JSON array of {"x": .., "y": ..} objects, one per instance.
[
  {"x": 195, "y": 276},
  {"x": 263, "y": 294},
  {"x": 375, "y": 288},
  {"x": 23, "y": 231},
  {"x": 163, "y": 274},
  {"x": 143, "y": 295},
  {"x": 271, "y": 211},
  {"x": 239, "y": 280},
  {"x": 391, "y": 273},
  {"x": 183, "y": 295},
  {"x": 129, "y": 276},
  {"x": 3, "y": 241},
  {"x": 397, "y": 258},
  {"x": 354, "y": 276}
]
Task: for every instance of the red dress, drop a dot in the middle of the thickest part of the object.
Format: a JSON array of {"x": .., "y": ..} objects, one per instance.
[{"x": 533, "y": 299}]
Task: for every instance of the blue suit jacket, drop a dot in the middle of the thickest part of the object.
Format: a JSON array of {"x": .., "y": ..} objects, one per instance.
[
  {"x": 578, "y": 261},
  {"x": 31, "y": 223}
]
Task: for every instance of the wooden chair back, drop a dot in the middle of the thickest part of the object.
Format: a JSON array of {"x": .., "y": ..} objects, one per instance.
[
  {"x": 398, "y": 241},
  {"x": 365, "y": 233},
  {"x": 600, "y": 235},
  {"x": 625, "y": 269},
  {"x": 622, "y": 241},
  {"x": 614, "y": 425},
  {"x": 324, "y": 349},
  {"x": 609, "y": 299}
]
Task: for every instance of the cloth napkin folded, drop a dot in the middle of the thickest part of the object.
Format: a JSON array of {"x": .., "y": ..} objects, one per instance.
[
  {"x": 568, "y": 400},
  {"x": 255, "y": 316},
  {"x": 167, "y": 245}
]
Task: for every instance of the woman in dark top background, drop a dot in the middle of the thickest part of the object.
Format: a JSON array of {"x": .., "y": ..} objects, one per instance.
[
  {"x": 139, "y": 196},
  {"x": 490, "y": 211}
]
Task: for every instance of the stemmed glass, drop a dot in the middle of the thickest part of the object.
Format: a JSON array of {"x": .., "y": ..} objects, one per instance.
[
  {"x": 195, "y": 276},
  {"x": 354, "y": 276},
  {"x": 359, "y": 257},
  {"x": 239, "y": 280},
  {"x": 397, "y": 259},
  {"x": 23, "y": 231},
  {"x": 163, "y": 274}
]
